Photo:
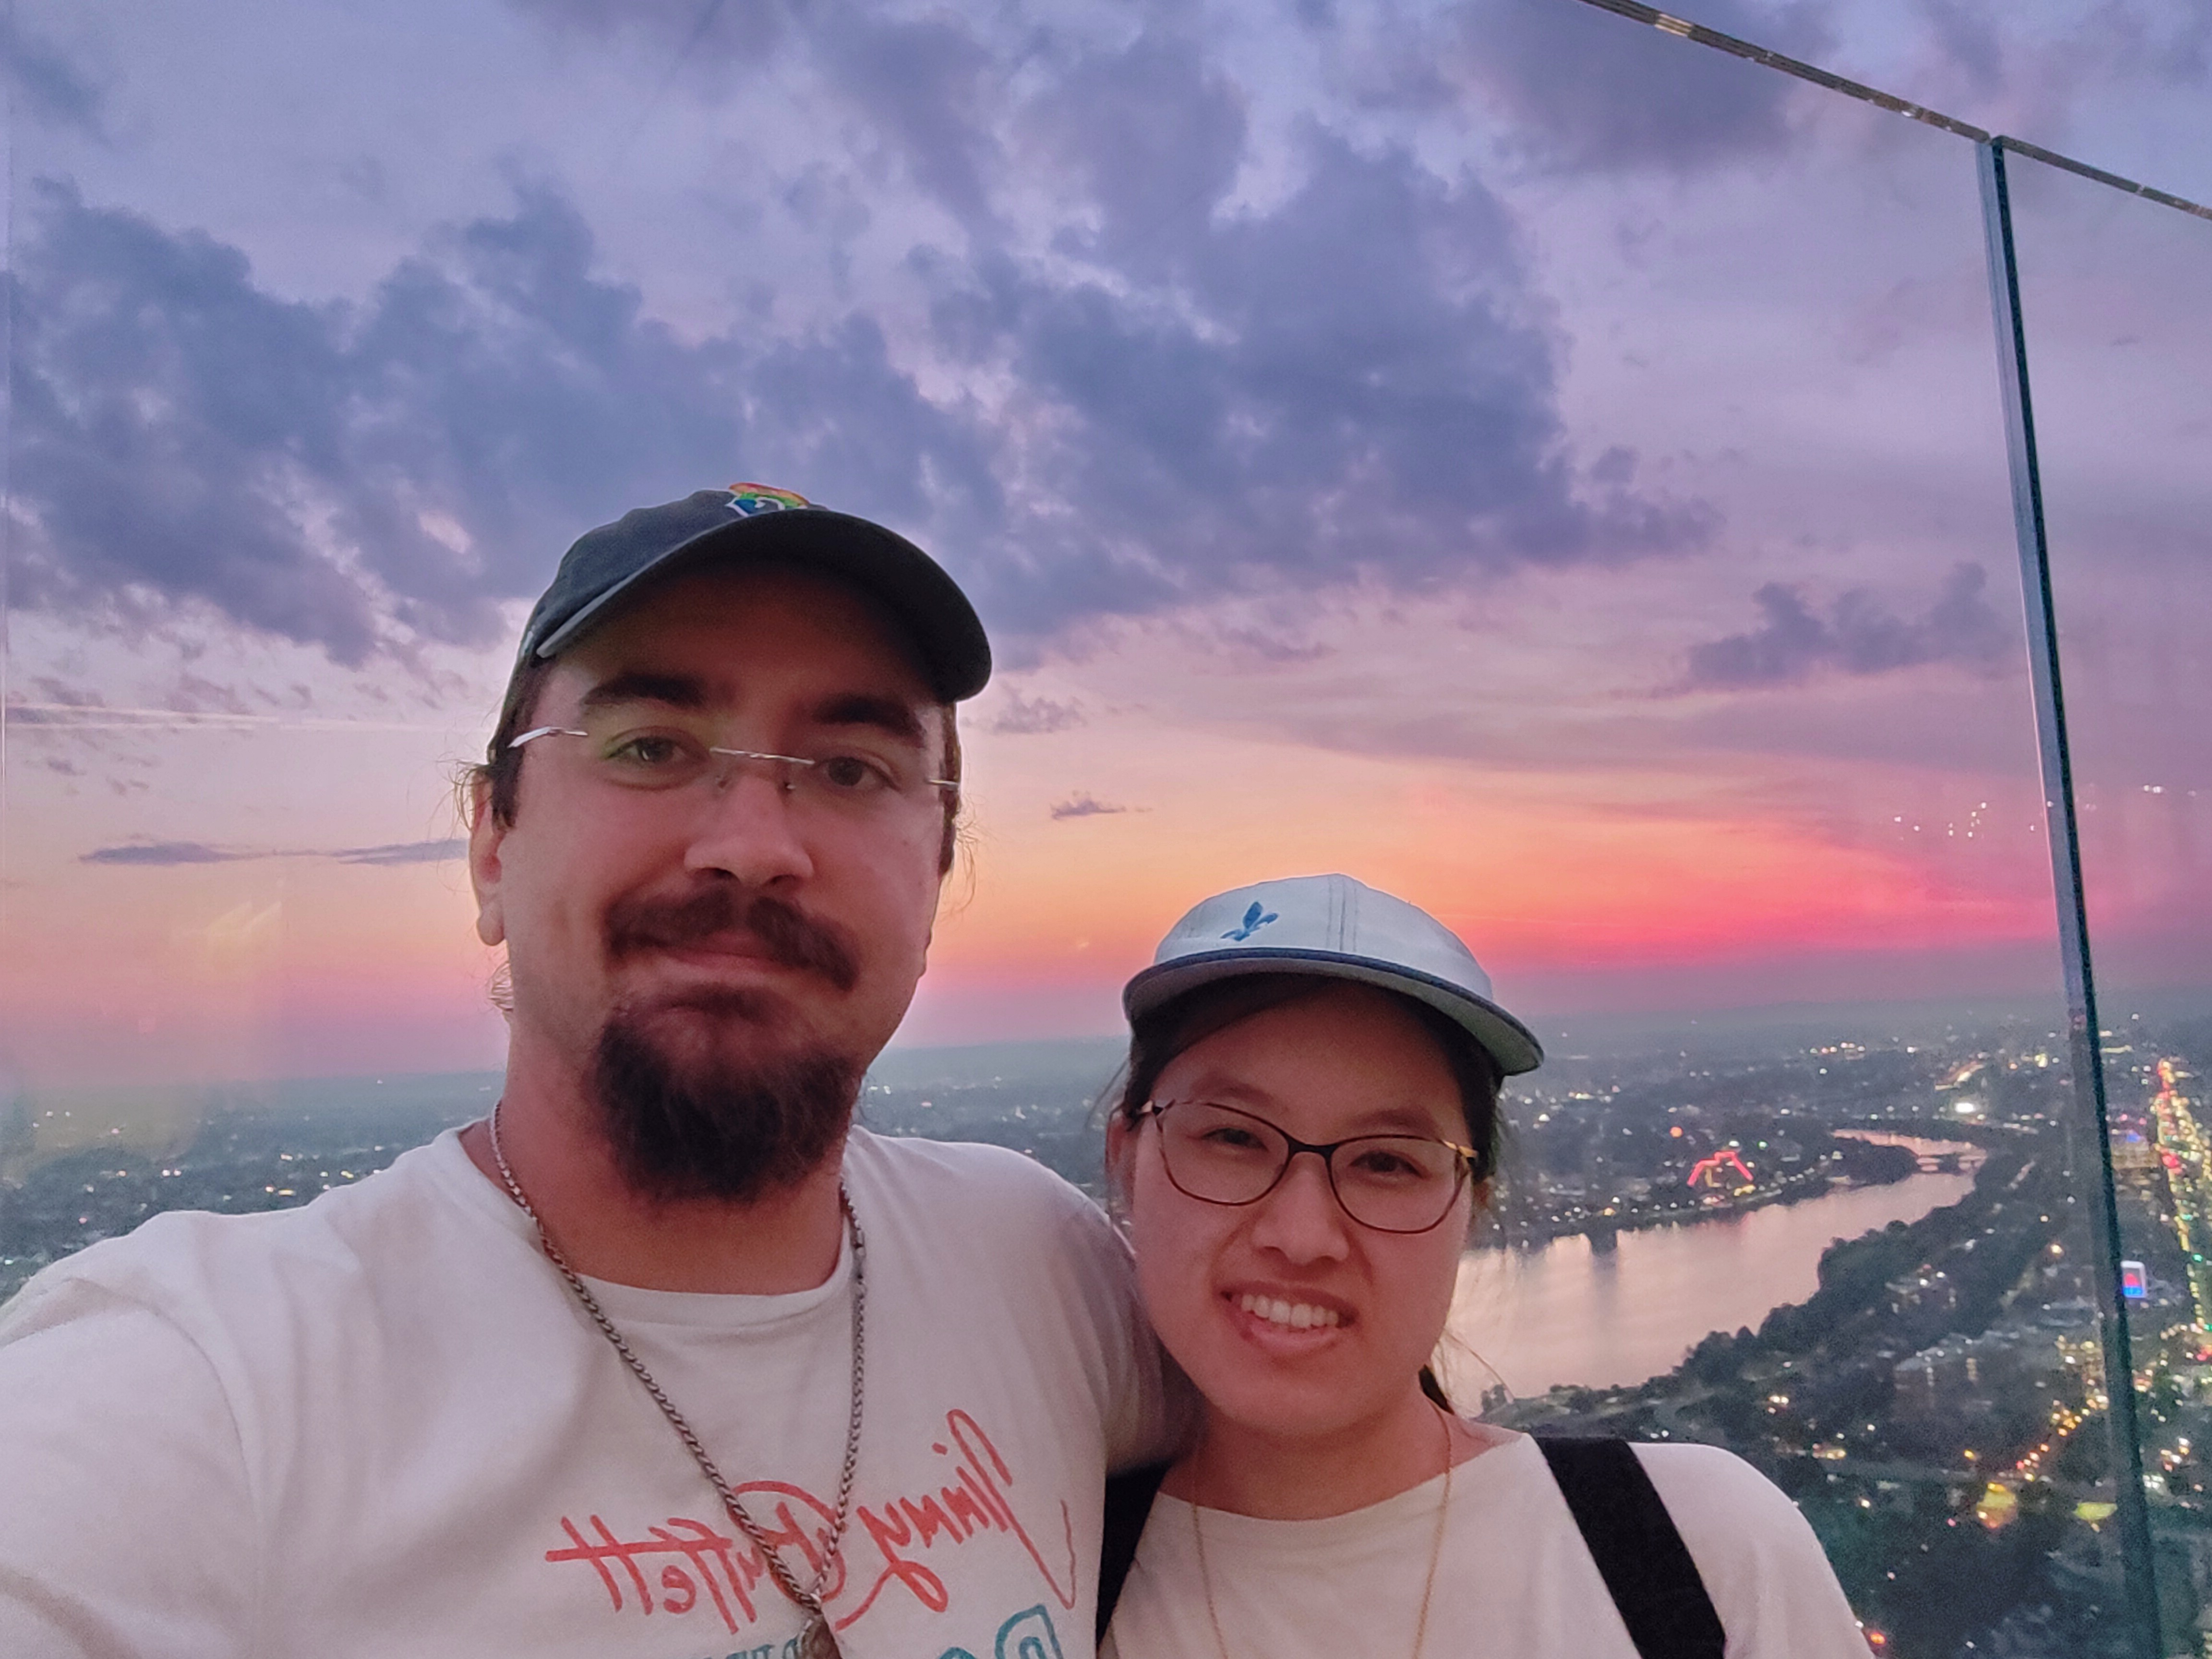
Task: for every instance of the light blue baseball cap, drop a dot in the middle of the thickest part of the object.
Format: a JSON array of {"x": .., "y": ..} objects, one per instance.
[{"x": 1333, "y": 927}]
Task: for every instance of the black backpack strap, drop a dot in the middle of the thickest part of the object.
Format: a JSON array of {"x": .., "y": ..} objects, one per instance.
[
  {"x": 1639, "y": 1554},
  {"x": 1129, "y": 1502}
]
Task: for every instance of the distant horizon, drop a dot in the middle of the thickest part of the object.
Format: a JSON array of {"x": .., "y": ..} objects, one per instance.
[{"x": 1607, "y": 1033}]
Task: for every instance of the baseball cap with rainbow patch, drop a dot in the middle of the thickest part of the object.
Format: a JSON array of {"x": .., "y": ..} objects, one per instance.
[{"x": 750, "y": 521}]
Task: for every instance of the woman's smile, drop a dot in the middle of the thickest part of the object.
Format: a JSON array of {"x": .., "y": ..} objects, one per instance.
[
  {"x": 1288, "y": 1324},
  {"x": 1290, "y": 1313}
]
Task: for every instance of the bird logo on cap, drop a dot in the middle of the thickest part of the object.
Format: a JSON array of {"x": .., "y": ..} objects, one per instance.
[
  {"x": 748, "y": 499},
  {"x": 1254, "y": 919}
]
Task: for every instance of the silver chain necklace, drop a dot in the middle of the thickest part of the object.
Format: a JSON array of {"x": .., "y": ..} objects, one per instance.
[{"x": 815, "y": 1641}]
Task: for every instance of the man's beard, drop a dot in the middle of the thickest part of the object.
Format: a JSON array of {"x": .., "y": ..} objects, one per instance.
[{"x": 713, "y": 1124}]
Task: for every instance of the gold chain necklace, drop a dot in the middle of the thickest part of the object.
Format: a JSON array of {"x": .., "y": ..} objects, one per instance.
[
  {"x": 1428, "y": 1585},
  {"x": 815, "y": 1641}
]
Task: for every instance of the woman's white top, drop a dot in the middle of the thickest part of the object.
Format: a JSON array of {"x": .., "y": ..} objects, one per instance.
[{"x": 1514, "y": 1578}]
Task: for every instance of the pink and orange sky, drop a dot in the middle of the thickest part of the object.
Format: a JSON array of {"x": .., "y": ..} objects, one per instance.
[{"x": 1486, "y": 448}]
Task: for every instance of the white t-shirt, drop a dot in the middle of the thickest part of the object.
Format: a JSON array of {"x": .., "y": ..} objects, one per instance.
[
  {"x": 1514, "y": 1578},
  {"x": 380, "y": 1425}
]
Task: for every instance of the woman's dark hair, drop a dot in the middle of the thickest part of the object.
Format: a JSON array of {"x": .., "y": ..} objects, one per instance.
[{"x": 1157, "y": 1037}]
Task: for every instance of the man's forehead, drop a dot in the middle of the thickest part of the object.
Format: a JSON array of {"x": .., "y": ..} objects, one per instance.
[
  {"x": 834, "y": 704},
  {"x": 718, "y": 636}
]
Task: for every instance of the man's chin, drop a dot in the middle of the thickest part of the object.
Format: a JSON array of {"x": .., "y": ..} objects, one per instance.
[{"x": 716, "y": 1102}]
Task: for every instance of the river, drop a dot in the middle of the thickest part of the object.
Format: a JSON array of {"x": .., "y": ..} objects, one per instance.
[{"x": 1562, "y": 1312}]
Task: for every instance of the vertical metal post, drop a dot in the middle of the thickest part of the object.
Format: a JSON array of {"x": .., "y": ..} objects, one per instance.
[{"x": 2085, "y": 1048}]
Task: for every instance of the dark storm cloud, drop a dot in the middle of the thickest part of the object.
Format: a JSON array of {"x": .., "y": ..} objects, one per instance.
[
  {"x": 1342, "y": 385},
  {"x": 1859, "y": 636},
  {"x": 1346, "y": 382},
  {"x": 1586, "y": 90},
  {"x": 49, "y": 85},
  {"x": 164, "y": 411},
  {"x": 1155, "y": 137},
  {"x": 924, "y": 85},
  {"x": 1195, "y": 395},
  {"x": 323, "y": 472}
]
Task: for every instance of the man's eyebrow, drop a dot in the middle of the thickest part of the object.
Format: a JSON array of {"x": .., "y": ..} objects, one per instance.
[
  {"x": 636, "y": 685},
  {"x": 887, "y": 714}
]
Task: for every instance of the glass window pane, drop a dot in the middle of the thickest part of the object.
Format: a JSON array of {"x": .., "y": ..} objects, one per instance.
[{"x": 2111, "y": 291}]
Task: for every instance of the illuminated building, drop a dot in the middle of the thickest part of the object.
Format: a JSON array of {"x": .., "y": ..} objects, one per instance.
[
  {"x": 1720, "y": 1174},
  {"x": 2186, "y": 1162}
]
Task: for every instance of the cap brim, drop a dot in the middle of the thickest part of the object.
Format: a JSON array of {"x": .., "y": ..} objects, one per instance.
[
  {"x": 924, "y": 601},
  {"x": 1504, "y": 1038}
]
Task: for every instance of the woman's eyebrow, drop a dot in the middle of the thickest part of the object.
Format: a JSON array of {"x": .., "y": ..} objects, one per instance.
[
  {"x": 1387, "y": 1120},
  {"x": 1398, "y": 1120},
  {"x": 1227, "y": 1091},
  {"x": 639, "y": 685},
  {"x": 886, "y": 714}
]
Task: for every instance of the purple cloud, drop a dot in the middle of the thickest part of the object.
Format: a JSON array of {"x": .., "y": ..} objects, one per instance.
[
  {"x": 1860, "y": 635},
  {"x": 48, "y": 84},
  {"x": 1194, "y": 397},
  {"x": 164, "y": 854},
  {"x": 332, "y": 474},
  {"x": 1021, "y": 716},
  {"x": 1584, "y": 92},
  {"x": 1081, "y": 805}
]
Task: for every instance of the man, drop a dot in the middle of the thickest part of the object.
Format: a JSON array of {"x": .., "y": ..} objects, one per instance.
[{"x": 662, "y": 1358}]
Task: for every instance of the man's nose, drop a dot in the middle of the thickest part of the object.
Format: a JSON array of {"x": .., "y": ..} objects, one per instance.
[
  {"x": 746, "y": 828},
  {"x": 1301, "y": 1219}
]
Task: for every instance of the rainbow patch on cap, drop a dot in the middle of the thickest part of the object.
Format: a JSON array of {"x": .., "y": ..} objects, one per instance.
[{"x": 748, "y": 499}]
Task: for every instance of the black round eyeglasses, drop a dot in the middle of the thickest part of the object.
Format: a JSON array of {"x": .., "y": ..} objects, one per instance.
[{"x": 1393, "y": 1183}]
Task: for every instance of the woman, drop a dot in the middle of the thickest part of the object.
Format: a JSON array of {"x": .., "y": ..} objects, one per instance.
[{"x": 1329, "y": 1503}]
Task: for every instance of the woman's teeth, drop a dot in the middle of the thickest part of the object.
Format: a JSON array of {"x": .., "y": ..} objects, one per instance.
[{"x": 1298, "y": 1315}]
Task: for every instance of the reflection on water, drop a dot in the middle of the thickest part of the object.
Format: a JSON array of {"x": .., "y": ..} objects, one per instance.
[{"x": 1565, "y": 1312}]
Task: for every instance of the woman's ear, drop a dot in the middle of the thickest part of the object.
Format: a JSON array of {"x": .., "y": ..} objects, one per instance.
[{"x": 1482, "y": 1210}]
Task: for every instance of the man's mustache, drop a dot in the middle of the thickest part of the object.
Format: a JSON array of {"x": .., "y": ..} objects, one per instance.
[{"x": 787, "y": 935}]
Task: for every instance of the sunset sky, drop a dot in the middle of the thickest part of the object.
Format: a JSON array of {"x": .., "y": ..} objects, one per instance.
[{"x": 1511, "y": 455}]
